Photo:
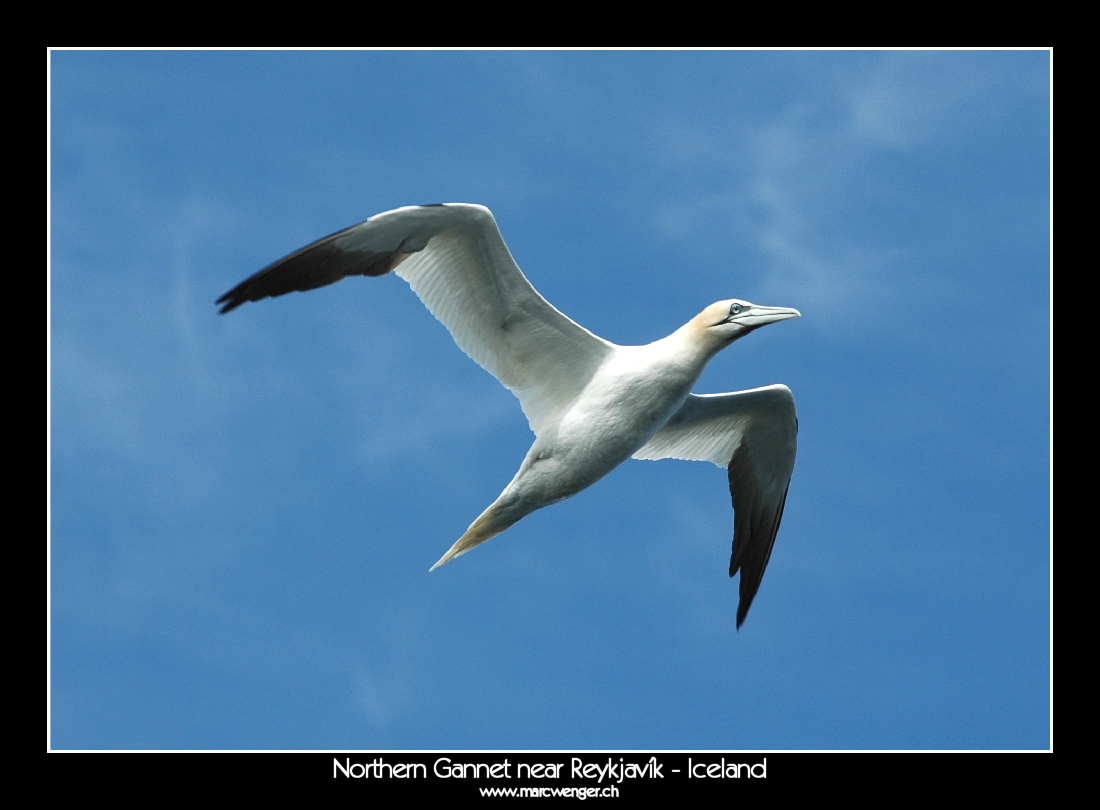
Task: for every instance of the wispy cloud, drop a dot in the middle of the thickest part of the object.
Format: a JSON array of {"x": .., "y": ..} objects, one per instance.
[
  {"x": 787, "y": 182},
  {"x": 196, "y": 220}
]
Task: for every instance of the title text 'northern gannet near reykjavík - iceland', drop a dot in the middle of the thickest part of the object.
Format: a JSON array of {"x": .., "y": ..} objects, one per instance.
[{"x": 591, "y": 404}]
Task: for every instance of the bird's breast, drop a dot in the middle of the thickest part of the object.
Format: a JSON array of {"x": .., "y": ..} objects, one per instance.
[
  {"x": 628, "y": 399},
  {"x": 626, "y": 402}
]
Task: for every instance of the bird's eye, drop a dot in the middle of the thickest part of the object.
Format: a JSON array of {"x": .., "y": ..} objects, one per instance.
[{"x": 735, "y": 309}]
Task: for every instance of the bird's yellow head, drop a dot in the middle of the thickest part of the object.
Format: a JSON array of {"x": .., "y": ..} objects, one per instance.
[{"x": 725, "y": 321}]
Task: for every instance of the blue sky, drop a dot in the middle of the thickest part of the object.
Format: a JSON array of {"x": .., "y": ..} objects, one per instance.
[{"x": 245, "y": 507}]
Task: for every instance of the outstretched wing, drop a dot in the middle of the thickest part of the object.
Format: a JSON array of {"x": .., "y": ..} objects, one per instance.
[
  {"x": 753, "y": 434},
  {"x": 455, "y": 260}
]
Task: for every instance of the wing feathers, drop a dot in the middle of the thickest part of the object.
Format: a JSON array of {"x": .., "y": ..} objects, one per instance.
[
  {"x": 454, "y": 258},
  {"x": 372, "y": 248},
  {"x": 755, "y": 526},
  {"x": 753, "y": 434},
  {"x": 315, "y": 265},
  {"x": 469, "y": 281}
]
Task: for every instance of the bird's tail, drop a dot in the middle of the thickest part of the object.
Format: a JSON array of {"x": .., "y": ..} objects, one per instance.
[{"x": 486, "y": 527}]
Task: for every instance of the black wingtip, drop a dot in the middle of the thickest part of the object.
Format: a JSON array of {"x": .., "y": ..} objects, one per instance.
[
  {"x": 318, "y": 264},
  {"x": 742, "y": 612},
  {"x": 228, "y": 303}
]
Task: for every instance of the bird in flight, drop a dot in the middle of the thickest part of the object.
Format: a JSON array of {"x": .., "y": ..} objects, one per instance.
[{"x": 591, "y": 403}]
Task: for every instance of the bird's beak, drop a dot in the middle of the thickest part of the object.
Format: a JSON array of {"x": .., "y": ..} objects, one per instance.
[{"x": 756, "y": 316}]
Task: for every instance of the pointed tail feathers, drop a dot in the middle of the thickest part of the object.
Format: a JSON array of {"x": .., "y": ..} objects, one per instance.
[{"x": 482, "y": 529}]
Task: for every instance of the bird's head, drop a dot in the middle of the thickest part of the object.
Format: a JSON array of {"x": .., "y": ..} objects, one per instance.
[{"x": 725, "y": 321}]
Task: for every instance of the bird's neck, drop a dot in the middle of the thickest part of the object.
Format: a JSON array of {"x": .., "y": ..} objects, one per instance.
[{"x": 700, "y": 341}]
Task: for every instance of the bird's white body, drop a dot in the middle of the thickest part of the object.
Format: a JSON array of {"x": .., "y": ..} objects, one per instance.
[
  {"x": 590, "y": 403},
  {"x": 631, "y": 395}
]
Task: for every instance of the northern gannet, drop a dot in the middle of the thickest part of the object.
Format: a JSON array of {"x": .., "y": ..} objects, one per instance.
[{"x": 591, "y": 404}]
